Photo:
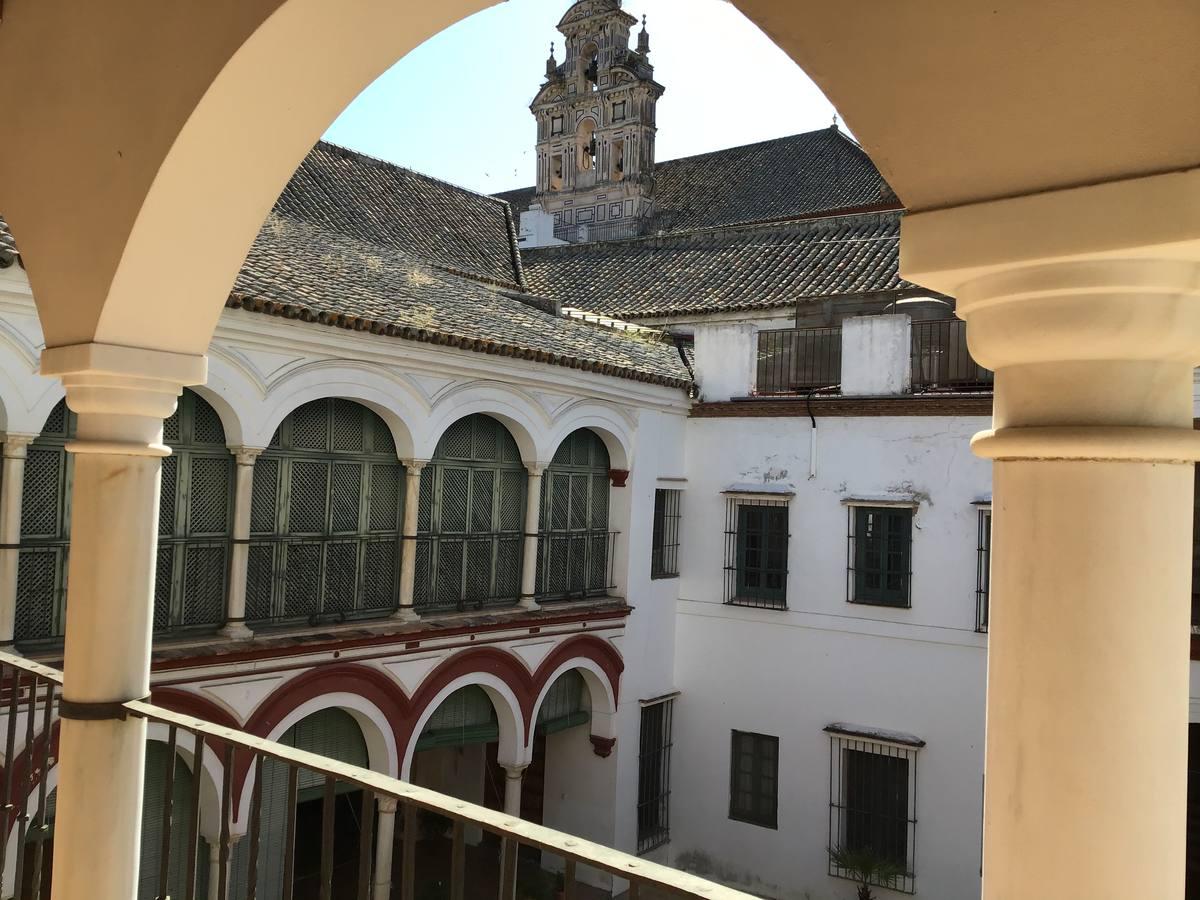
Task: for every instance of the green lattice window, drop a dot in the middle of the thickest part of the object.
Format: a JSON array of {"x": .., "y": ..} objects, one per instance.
[
  {"x": 470, "y": 519},
  {"x": 325, "y": 517},
  {"x": 195, "y": 517},
  {"x": 465, "y": 717},
  {"x": 566, "y": 704},
  {"x": 574, "y": 544}
]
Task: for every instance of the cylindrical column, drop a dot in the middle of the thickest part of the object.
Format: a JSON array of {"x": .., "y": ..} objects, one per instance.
[
  {"x": 12, "y": 483},
  {"x": 1093, "y": 344},
  {"x": 214, "y": 868},
  {"x": 408, "y": 538},
  {"x": 235, "y": 610},
  {"x": 513, "y": 775},
  {"x": 385, "y": 840},
  {"x": 121, "y": 396},
  {"x": 533, "y": 512}
]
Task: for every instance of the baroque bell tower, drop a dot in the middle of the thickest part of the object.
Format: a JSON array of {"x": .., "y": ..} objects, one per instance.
[{"x": 596, "y": 126}]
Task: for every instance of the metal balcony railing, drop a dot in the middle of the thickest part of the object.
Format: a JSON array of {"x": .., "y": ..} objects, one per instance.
[
  {"x": 599, "y": 231},
  {"x": 573, "y": 565},
  {"x": 29, "y": 695},
  {"x": 458, "y": 572},
  {"x": 799, "y": 360},
  {"x": 941, "y": 360}
]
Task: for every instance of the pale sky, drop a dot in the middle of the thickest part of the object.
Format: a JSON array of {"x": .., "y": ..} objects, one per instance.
[{"x": 457, "y": 107}]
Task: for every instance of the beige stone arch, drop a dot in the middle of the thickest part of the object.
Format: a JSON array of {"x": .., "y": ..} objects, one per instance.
[{"x": 518, "y": 412}]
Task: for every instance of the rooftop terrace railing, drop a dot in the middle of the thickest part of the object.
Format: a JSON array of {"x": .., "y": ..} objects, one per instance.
[
  {"x": 30, "y": 695},
  {"x": 799, "y": 360},
  {"x": 941, "y": 359}
]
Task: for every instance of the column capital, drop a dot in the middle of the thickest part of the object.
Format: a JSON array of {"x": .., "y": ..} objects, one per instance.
[
  {"x": 17, "y": 445},
  {"x": 414, "y": 465},
  {"x": 536, "y": 469},
  {"x": 121, "y": 394},
  {"x": 1086, "y": 304},
  {"x": 515, "y": 771},
  {"x": 246, "y": 456},
  {"x": 387, "y": 805}
]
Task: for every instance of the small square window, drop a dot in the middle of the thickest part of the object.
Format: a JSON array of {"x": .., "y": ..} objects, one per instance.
[
  {"x": 754, "y": 779},
  {"x": 756, "y": 551},
  {"x": 664, "y": 546},
  {"x": 556, "y": 125},
  {"x": 880, "y": 555}
]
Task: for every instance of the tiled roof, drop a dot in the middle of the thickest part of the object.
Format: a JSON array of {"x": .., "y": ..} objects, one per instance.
[
  {"x": 346, "y": 193},
  {"x": 330, "y": 253},
  {"x": 726, "y": 269},
  {"x": 802, "y": 176}
]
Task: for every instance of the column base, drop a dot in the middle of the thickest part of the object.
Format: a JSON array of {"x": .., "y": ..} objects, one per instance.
[
  {"x": 529, "y": 603},
  {"x": 236, "y": 630},
  {"x": 406, "y": 614}
]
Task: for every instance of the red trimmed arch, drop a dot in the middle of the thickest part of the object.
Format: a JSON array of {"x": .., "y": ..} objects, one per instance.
[
  {"x": 189, "y": 703},
  {"x": 585, "y": 646}
]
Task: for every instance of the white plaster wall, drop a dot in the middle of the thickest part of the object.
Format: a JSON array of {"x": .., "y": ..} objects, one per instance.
[
  {"x": 876, "y": 355},
  {"x": 791, "y": 673},
  {"x": 725, "y": 360},
  {"x": 579, "y": 791}
]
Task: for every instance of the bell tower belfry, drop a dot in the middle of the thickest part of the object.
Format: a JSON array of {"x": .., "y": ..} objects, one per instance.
[{"x": 596, "y": 126}]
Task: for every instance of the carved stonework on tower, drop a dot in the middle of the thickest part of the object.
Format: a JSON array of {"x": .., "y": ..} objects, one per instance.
[{"x": 596, "y": 126}]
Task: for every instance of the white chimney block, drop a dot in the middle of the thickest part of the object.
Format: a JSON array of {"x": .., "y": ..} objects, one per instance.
[
  {"x": 876, "y": 356},
  {"x": 726, "y": 360},
  {"x": 537, "y": 229}
]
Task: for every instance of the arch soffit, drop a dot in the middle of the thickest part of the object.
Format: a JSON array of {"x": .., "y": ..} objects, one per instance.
[
  {"x": 614, "y": 430},
  {"x": 516, "y": 410}
]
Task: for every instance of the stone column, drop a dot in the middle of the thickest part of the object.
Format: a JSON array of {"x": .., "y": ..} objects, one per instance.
[
  {"x": 235, "y": 609},
  {"x": 385, "y": 840},
  {"x": 1086, "y": 303},
  {"x": 12, "y": 482},
  {"x": 512, "y": 788},
  {"x": 408, "y": 538},
  {"x": 533, "y": 511},
  {"x": 214, "y": 868},
  {"x": 121, "y": 396}
]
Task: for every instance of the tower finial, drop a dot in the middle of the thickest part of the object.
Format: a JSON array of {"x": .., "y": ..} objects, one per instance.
[{"x": 644, "y": 38}]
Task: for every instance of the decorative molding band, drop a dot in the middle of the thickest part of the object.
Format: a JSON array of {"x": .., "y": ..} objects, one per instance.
[
  {"x": 1097, "y": 442},
  {"x": 848, "y": 407}
]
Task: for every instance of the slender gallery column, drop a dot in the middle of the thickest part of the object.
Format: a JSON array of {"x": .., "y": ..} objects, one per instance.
[
  {"x": 533, "y": 511},
  {"x": 513, "y": 775},
  {"x": 235, "y": 610},
  {"x": 12, "y": 482},
  {"x": 121, "y": 396},
  {"x": 408, "y": 538},
  {"x": 385, "y": 840},
  {"x": 1086, "y": 303}
]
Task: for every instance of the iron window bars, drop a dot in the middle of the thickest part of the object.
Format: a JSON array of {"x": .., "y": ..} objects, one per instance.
[
  {"x": 873, "y": 803},
  {"x": 983, "y": 571},
  {"x": 29, "y": 699},
  {"x": 195, "y": 519},
  {"x": 325, "y": 517},
  {"x": 799, "y": 360},
  {"x": 756, "y": 552},
  {"x": 654, "y": 775},
  {"x": 879, "y": 555},
  {"x": 664, "y": 543},
  {"x": 575, "y": 548},
  {"x": 470, "y": 519},
  {"x": 941, "y": 359},
  {"x": 754, "y": 779}
]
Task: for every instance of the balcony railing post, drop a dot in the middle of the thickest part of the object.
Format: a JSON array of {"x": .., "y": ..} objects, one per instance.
[
  {"x": 121, "y": 395},
  {"x": 408, "y": 538},
  {"x": 235, "y": 610},
  {"x": 533, "y": 508},
  {"x": 12, "y": 482},
  {"x": 385, "y": 840}
]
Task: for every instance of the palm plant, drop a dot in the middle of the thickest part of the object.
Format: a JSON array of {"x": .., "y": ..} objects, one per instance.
[{"x": 866, "y": 867}]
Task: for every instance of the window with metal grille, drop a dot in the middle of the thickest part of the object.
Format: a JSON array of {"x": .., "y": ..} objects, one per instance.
[
  {"x": 575, "y": 547},
  {"x": 195, "y": 521},
  {"x": 879, "y": 556},
  {"x": 872, "y": 805},
  {"x": 756, "y": 552},
  {"x": 654, "y": 776},
  {"x": 325, "y": 517},
  {"x": 983, "y": 568},
  {"x": 754, "y": 779},
  {"x": 664, "y": 546},
  {"x": 470, "y": 521}
]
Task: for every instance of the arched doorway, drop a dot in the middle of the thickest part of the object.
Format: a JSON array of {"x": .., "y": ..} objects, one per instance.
[
  {"x": 470, "y": 519},
  {"x": 325, "y": 517},
  {"x": 195, "y": 524}
]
